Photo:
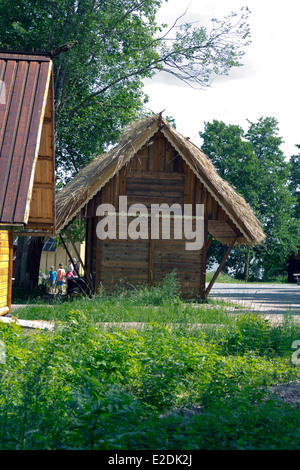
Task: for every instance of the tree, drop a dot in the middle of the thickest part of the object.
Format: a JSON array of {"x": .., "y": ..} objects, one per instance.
[
  {"x": 275, "y": 203},
  {"x": 255, "y": 165},
  {"x": 235, "y": 161},
  {"x": 98, "y": 83},
  {"x": 112, "y": 46},
  {"x": 295, "y": 181}
]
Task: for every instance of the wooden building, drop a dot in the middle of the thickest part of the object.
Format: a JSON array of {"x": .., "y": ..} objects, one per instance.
[
  {"x": 26, "y": 156},
  {"x": 154, "y": 164},
  {"x": 53, "y": 254},
  {"x": 294, "y": 267}
]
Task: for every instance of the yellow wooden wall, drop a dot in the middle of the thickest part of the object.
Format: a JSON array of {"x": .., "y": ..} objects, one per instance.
[
  {"x": 53, "y": 258},
  {"x": 5, "y": 271}
]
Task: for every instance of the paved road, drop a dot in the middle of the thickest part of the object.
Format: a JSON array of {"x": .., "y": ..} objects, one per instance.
[{"x": 273, "y": 299}]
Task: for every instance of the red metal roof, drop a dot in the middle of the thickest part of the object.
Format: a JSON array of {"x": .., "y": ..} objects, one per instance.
[{"x": 24, "y": 82}]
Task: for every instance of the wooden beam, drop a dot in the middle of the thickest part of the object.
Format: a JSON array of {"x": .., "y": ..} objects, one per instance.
[
  {"x": 204, "y": 197},
  {"x": 98, "y": 262},
  {"x": 10, "y": 268},
  {"x": 151, "y": 261},
  {"x": 210, "y": 240},
  {"x": 69, "y": 255},
  {"x": 203, "y": 260},
  {"x": 220, "y": 267},
  {"x": 79, "y": 257},
  {"x": 88, "y": 245}
]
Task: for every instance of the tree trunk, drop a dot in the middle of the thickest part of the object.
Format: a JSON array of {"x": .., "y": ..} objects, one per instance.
[
  {"x": 29, "y": 253},
  {"x": 247, "y": 264}
]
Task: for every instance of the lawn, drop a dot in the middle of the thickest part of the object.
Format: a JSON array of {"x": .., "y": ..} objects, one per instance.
[{"x": 181, "y": 376}]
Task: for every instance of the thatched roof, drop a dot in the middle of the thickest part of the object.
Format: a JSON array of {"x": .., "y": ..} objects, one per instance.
[{"x": 75, "y": 195}]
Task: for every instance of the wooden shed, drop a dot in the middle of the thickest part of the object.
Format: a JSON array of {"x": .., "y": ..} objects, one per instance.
[
  {"x": 26, "y": 155},
  {"x": 154, "y": 164},
  {"x": 294, "y": 267}
]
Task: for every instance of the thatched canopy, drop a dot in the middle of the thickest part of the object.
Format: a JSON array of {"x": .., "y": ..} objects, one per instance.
[{"x": 75, "y": 195}]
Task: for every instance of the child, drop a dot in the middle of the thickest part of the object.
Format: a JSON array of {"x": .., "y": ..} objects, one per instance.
[
  {"x": 70, "y": 269},
  {"x": 52, "y": 275},
  {"x": 60, "y": 275}
]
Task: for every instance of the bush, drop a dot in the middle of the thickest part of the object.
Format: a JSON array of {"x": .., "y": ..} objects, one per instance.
[
  {"x": 166, "y": 291},
  {"x": 86, "y": 385}
]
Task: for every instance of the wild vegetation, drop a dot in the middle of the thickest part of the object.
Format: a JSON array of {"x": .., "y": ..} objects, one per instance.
[
  {"x": 179, "y": 376},
  {"x": 112, "y": 46},
  {"x": 255, "y": 165}
]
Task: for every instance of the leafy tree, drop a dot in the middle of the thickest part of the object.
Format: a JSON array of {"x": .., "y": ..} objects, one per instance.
[
  {"x": 295, "y": 181},
  {"x": 275, "y": 203},
  {"x": 255, "y": 165},
  {"x": 98, "y": 83},
  {"x": 112, "y": 46}
]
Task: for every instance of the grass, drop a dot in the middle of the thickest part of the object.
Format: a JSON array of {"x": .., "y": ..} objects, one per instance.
[
  {"x": 165, "y": 386},
  {"x": 110, "y": 309},
  {"x": 227, "y": 279},
  {"x": 223, "y": 278}
]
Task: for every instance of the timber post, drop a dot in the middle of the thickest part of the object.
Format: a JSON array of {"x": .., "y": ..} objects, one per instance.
[{"x": 220, "y": 267}]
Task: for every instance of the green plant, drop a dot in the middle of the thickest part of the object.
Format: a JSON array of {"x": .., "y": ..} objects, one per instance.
[{"x": 185, "y": 376}]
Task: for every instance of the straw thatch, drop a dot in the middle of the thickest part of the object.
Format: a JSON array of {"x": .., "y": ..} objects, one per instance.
[{"x": 71, "y": 199}]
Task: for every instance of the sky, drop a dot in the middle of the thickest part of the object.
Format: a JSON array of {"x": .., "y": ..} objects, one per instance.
[{"x": 267, "y": 85}]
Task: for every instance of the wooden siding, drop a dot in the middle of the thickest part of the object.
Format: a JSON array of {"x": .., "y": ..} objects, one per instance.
[
  {"x": 29, "y": 82},
  {"x": 5, "y": 270},
  {"x": 156, "y": 174},
  {"x": 41, "y": 215}
]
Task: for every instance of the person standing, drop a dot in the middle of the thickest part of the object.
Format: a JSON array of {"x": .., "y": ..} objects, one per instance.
[
  {"x": 70, "y": 270},
  {"x": 52, "y": 276},
  {"x": 60, "y": 276}
]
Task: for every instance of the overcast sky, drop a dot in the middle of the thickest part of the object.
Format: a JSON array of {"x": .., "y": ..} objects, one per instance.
[{"x": 267, "y": 84}]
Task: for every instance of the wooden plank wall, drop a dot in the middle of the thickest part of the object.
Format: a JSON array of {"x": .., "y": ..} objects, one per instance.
[
  {"x": 156, "y": 174},
  {"x": 5, "y": 270},
  {"x": 41, "y": 213}
]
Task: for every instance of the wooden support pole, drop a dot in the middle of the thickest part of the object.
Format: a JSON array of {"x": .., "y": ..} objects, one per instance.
[
  {"x": 209, "y": 241},
  {"x": 88, "y": 245},
  {"x": 204, "y": 248},
  {"x": 10, "y": 267},
  {"x": 98, "y": 262},
  {"x": 203, "y": 260},
  {"x": 151, "y": 262},
  {"x": 79, "y": 258},
  {"x": 70, "y": 257},
  {"x": 220, "y": 267}
]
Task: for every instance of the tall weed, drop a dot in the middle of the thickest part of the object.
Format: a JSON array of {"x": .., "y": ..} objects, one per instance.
[{"x": 91, "y": 385}]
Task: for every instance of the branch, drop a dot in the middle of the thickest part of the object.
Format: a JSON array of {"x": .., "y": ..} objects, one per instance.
[
  {"x": 63, "y": 48},
  {"x": 193, "y": 58},
  {"x": 73, "y": 159}
]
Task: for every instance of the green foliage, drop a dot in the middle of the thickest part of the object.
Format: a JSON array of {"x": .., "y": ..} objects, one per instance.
[
  {"x": 255, "y": 165},
  {"x": 168, "y": 383},
  {"x": 255, "y": 334},
  {"x": 98, "y": 84},
  {"x": 155, "y": 295},
  {"x": 295, "y": 180},
  {"x": 229, "y": 422}
]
